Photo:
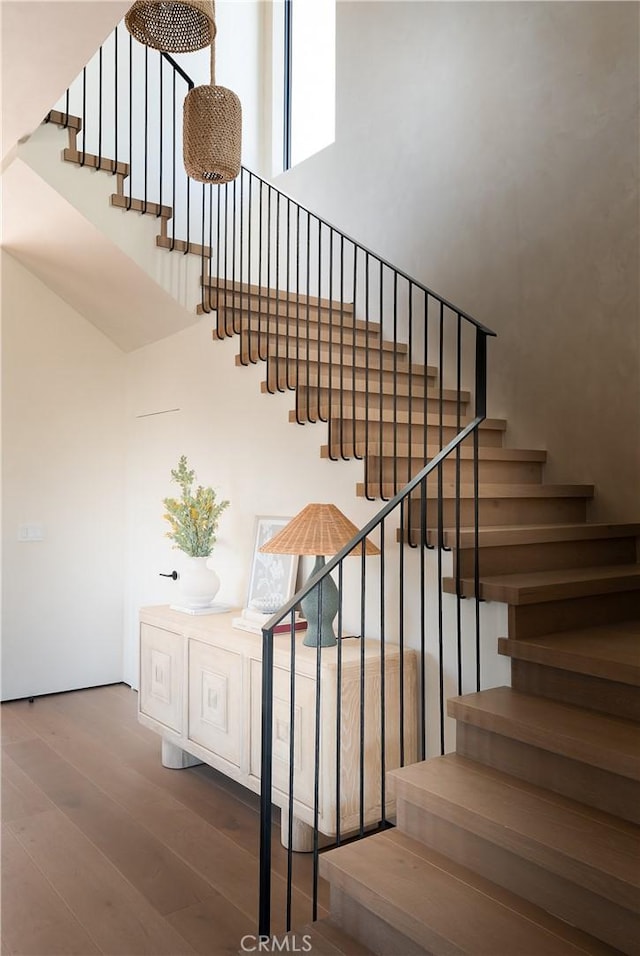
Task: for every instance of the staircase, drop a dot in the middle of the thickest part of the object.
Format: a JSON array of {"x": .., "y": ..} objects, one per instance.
[{"x": 525, "y": 840}]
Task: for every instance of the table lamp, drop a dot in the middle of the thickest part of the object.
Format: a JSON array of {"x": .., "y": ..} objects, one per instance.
[{"x": 320, "y": 530}]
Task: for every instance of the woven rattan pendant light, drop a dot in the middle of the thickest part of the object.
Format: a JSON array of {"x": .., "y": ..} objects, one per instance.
[
  {"x": 212, "y": 133},
  {"x": 173, "y": 26}
]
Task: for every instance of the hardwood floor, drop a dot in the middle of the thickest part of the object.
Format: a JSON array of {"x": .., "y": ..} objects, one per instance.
[{"x": 106, "y": 851}]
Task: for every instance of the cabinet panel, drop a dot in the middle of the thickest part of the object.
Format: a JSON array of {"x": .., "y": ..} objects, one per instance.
[
  {"x": 215, "y": 700},
  {"x": 161, "y": 675},
  {"x": 304, "y": 731}
]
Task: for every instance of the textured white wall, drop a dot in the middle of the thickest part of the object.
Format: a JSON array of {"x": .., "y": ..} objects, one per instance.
[
  {"x": 491, "y": 150},
  {"x": 63, "y": 467}
]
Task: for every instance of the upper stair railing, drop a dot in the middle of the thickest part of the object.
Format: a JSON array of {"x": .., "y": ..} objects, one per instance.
[{"x": 381, "y": 358}]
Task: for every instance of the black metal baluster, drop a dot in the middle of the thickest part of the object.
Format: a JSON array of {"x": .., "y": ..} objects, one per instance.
[
  {"x": 292, "y": 752},
  {"x": 266, "y": 778},
  {"x": 367, "y": 457},
  {"x": 395, "y": 387},
  {"x": 84, "y": 116},
  {"x": 173, "y": 169},
  {"x": 249, "y": 323},
  {"x": 160, "y": 133},
  {"x": 316, "y": 775},
  {"x": 281, "y": 377},
  {"x": 221, "y": 295},
  {"x": 341, "y": 403},
  {"x": 410, "y": 399},
  {"x": 423, "y": 611},
  {"x": 363, "y": 585},
  {"x": 318, "y": 390},
  {"x": 339, "y": 712},
  {"x": 99, "y": 108},
  {"x": 354, "y": 334},
  {"x": 234, "y": 310},
  {"x": 115, "y": 100},
  {"x": 272, "y": 363},
  {"x": 383, "y": 702},
  {"x": 146, "y": 124},
  {"x": 330, "y": 412},
  {"x": 457, "y": 494},
  {"x": 297, "y": 381},
  {"x": 481, "y": 411},
  {"x": 241, "y": 257},
  {"x": 401, "y": 631},
  {"x": 382, "y": 494},
  {"x": 441, "y": 532}
]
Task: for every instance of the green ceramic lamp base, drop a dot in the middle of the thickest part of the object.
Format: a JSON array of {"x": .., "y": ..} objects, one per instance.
[{"x": 330, "y": 602}]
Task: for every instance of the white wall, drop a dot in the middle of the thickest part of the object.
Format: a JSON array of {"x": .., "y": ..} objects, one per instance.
[
  {"x": 491, "y": 150},
  {"x": 63, "y": 464}
]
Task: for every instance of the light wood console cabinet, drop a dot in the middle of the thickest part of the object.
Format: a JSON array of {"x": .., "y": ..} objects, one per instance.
[{"x": 200, "y": 688}]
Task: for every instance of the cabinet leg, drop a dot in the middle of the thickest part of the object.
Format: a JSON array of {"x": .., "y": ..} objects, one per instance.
[
  {"x": 175, "y": 758},
  {"x": 301, "y": 835}
]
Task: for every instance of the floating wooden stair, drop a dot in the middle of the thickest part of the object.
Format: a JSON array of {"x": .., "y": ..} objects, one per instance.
[{"x": 537, "y": 813}]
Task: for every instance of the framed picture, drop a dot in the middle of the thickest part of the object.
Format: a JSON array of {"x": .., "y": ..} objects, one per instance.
[{"x": 273, "y": 576}]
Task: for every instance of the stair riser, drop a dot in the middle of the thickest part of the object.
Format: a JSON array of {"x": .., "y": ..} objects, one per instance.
[
  {"x": 532, "y": 620},
  {"x": 563, "y": 897},
  {"x": 306, "y": 402},
  {"x": 580, "y": 781},
  {"x": 369, "y": 929},
  {"x": 548, "y": 556},
  {"x": 582, "y": 690},
  {"x": 494, "y": 472},
  {"x": 500, "y": 511},
  {"x": 263, "y": 347},
  {"x": 360, "y": 431}
]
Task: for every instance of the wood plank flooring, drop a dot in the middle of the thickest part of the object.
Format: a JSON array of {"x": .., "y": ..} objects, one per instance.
[{"x": 106, "y": 851}]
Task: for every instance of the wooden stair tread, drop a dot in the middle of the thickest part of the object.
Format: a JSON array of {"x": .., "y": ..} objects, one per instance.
[
  {"x": 254, "y": 330},
  {"x": 440, "y": 905},
  {"x": 229, "y": 285},
  {"x": 539, "y": 534},
  {"x": 139, "y": 205},
  {"x": 401, "y": 416},
  {"x": 611, "y": 743},
  {"x": 511, "y": 490},
  {"x": 303, "y": 359},
  {"x": 180, "y": 245},
  {"x": 391, "y": 449},
  {"x": 610, "y": 651},
  {"x": 65, "y": 119},
  {"x": 91, "y": 161},
  {"x": 535, "y": 587},
  {"x": 595, "y": 850}
]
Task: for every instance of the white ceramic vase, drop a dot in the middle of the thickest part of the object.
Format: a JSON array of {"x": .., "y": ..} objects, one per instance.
[{"x": 199, "y": 583}]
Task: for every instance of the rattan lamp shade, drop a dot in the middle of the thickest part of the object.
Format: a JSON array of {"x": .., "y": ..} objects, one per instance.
[
  {"x": 318, "y": 529},
  {"x": 173, "y": 26},
  {"x": 212, "y": 134}
]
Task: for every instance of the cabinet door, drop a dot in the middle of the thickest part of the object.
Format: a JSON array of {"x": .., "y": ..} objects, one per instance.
[
  {"x": 215, "y": 700},
  {"x": 304, "y": 739},
  {"x": 161, "y": 676}
]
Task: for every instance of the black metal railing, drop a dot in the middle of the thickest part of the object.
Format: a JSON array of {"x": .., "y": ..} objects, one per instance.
[{"x": 381, "y": 359}]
